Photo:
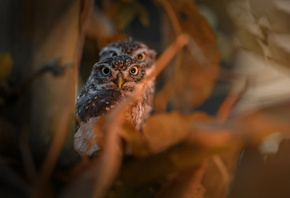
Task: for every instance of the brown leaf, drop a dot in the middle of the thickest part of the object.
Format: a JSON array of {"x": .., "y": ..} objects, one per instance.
[
  {"x": 266, "y": 121},
  {"x": 191, "y": 81},
  {"x": 134, "y": 141},
  {"x": 166, "y": 129}
]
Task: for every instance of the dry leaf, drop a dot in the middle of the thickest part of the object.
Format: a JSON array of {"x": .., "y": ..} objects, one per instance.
[
  {"x": 191, "y": 82},
  {"x": 263, "y": 28},
  {"x": 266, "y": 121},
  {"x": 267, "y": 83},
  {"x": 276, "y": 11},
  {"x": 167, "y": 129},
  {"x": 135, "y": 143}
]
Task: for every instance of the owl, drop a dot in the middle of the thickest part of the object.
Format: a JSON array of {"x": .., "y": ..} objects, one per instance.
[
  {"x": 111, "y": 80},
  {"x": 138, "y": 51},
  {"x": 135, "y": 49},
  {"x": 101, "y": 93}
]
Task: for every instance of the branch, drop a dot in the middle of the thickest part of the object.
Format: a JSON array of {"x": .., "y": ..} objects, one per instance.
[
  {"x": 61, "y": 132},
  {"x": 53, "y": 66},
  {"x": 231, "y": 101}
]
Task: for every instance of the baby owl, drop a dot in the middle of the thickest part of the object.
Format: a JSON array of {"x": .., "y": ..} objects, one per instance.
[{"x": 119, "y": 72}]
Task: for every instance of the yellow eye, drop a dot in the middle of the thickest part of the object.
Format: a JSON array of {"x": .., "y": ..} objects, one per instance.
[
  {"x": 105, "y": 71},
  {"x": 134, "y": 70},
  {"x": 140, "y": 57}
]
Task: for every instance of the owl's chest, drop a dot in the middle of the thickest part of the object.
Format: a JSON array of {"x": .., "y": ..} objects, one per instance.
[
  {"x": 94, "y": 103},
  {"x": 97, "y": 103}
]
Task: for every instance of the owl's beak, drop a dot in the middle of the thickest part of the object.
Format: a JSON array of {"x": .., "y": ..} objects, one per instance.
[{"x": 119, "y": 82}]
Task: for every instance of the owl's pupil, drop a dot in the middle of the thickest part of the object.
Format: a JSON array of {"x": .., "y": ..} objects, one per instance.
[
  {"x": 106, "y": 70},
  {"x": 133, "y": 70},
  {"x": 140, "y": 56}
]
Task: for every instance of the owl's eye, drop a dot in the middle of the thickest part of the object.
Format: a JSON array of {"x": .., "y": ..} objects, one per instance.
[
  {"x": 112, "y": 53},
  {"x": 134, "y": 70},
  {"x": 140, "y": 57},
  {"x": 105, "y": 71}
]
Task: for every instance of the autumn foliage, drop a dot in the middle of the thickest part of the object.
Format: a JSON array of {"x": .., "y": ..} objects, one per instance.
[{"x": 220, "y": 125}]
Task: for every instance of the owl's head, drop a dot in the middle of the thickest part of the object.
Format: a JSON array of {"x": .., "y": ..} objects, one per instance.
[
  {"x": 135, "y": 49},
  {"x": 121, "y": 73}
]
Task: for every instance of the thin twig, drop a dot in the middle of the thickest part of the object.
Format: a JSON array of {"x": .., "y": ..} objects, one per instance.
[
  {"x": 52, "y": 66},
  {"x": 84, "y": 23},
  {"x": 173, "y": 18},
  {"x": 53, "y": 154},
  {"x": 197, "y": 53},
  {"x": 192, "y": 46},
  {"x": 27, "y": 156},
  {"x": 195, "y": 184},
  {"x": 167, "y": 91},
  {"x": 223, "y": 170},
  {"x": 231, "y": 100},
  {"x": 165, "y": 94}
]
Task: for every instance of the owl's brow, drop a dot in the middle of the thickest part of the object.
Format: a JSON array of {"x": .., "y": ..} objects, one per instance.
[
  {"x": 102, "y": 64},
  {"x": 120, "y": 67},
  {"x": 108, "y": 48},
  {"x": 139, "y": 51}
]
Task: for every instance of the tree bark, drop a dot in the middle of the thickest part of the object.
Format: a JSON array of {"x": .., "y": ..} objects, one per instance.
[{"x": 56, "y": 34}]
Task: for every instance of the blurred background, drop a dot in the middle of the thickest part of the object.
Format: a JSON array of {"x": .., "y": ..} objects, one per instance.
[{"x": 234, "y": 69}]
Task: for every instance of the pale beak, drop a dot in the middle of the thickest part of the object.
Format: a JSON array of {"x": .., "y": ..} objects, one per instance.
[{"x": 119, "y": 82}]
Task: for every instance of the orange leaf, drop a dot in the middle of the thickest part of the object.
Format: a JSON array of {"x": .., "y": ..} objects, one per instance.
[{"x": 166, "y": 129}]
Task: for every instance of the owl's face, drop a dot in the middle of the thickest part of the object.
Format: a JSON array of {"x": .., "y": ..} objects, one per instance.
[
  {"x": 120, "y": 73},
  {"x": 136, "y": 50},
  {"x": 111, "y": 80}
]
